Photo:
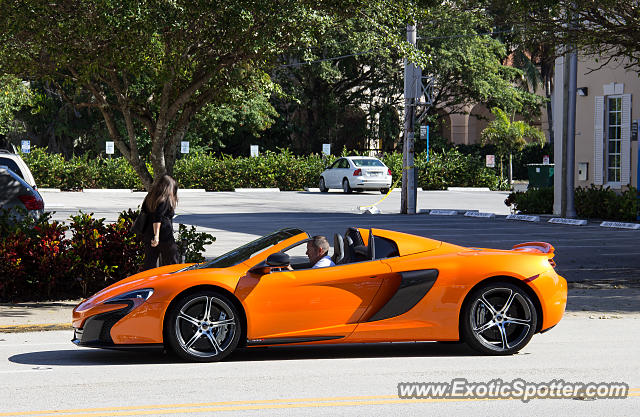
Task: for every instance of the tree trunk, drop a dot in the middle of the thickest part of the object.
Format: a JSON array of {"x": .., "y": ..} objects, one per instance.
[{"x": 510, "y": 169}]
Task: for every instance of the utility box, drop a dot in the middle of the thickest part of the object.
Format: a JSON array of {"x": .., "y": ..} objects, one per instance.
[{"x": 540, "y": 175}]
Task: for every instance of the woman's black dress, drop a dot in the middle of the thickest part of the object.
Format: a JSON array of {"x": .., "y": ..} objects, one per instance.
[{"x": 167, "y": 250}]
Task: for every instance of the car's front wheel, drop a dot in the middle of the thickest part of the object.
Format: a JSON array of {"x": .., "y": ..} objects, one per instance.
[
  {"x": 322, "y": 186},
  {"x": 498, "y": 319},
  {"x": 384, "y": 190},
  {"x": 346, "y": 187},
  {"x": 203, "y": 327}
]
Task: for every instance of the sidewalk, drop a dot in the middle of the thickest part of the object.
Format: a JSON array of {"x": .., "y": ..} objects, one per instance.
[{"x": 591, "y": 303}]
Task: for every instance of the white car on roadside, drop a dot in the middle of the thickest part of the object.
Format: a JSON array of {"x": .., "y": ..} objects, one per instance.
[
  {"x": 357, "y": 173},
  {"x": 17, "y": 165}
]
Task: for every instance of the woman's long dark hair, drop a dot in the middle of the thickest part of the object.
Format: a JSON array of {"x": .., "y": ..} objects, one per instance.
[{"x": 166, "y": 189}]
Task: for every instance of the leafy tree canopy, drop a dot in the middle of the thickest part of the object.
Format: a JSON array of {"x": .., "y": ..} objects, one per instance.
[{"x": 150, "y": 66}]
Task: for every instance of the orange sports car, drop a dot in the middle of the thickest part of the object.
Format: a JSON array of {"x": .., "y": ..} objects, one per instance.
[{"x": 386, "y": 286}]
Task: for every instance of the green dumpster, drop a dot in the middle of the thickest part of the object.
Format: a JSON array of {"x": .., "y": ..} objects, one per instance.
[{"x": 540, "y": 175}]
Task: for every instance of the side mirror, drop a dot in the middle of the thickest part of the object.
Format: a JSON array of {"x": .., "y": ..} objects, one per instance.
[{"x": 278, "y": 259}]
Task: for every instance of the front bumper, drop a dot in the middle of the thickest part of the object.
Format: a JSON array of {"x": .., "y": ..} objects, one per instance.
[{"x": 96, "y": 330}]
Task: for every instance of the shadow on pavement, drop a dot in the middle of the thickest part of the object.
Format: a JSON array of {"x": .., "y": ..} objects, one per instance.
[{"x": 97, "y": 357}]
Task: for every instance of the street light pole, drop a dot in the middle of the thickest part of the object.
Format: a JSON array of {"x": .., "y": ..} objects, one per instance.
[{"x": 408, "y": 200}]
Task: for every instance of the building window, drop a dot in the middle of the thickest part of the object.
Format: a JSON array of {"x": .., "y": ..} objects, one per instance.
[{"x": 614, "y": 138}]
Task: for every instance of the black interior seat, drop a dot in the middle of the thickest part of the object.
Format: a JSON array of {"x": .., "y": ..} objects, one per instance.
[{"x": 338, "y": 249}]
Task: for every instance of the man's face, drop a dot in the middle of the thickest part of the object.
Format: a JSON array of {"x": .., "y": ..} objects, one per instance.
[{"x": 313, "y": 253}]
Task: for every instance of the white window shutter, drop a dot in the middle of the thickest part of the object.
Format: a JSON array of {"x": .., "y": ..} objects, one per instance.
[
  {"x": 625, "y": 151},
  {"x": 598, "y": 141}
]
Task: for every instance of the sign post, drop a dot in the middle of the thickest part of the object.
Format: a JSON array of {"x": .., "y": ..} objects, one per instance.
[
  {"x": 25, "y": 146},
  {"x": 326, "y": 149},
  {"x": 254, "y": 151},
  {"x": 184, "y": 146}
]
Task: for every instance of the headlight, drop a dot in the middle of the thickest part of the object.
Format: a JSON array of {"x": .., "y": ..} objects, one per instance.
[{"x": 135, "y": 297}]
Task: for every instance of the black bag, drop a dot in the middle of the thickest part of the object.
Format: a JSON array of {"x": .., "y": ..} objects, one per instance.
[{"x": 139, "y": 225}]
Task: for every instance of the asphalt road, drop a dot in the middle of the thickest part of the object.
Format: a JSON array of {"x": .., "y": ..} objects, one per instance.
[
  {"x": 43, "y": 373},
  {"x": 584, "y": 253}
]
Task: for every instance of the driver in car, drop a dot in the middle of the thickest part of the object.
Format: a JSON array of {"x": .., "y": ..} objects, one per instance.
[{"x": 318, "y": 252}]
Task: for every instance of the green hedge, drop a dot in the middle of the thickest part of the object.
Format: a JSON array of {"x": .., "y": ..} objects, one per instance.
[
  {"x": 594, "y": 202},
  {"x": 446, "y": 168}
]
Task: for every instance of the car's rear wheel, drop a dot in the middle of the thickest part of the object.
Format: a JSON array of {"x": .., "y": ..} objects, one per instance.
[
  {"x": 498, "y": 319},
  {"x": 384, "y": 190},
  {"x": 203, "y": 327},
  {"x": 322, "y": 185},
  {"x": 346, "y": 187}
]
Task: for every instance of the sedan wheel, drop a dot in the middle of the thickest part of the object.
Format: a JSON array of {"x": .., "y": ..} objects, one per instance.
[
  {"x": 346, "y": 187},
  {"x": 203, "y": 327},
  {"x": 499, "y": 319},
  {"x": 323, "y": 186}
]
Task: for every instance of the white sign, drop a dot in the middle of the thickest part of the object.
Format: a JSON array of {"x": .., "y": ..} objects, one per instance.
[
  {"x": 26, "y": 146},
  {"x": 326, "y": 148},
  {"x": 424, "y": 132},
  {"x": 109, "y": 148},
  {"x": 254, "y": 150},
  {"x": 545, "y": 159},
  {"x": 184, "y": 146},
  {"x": 491, "y": 161},
  {"x": 523, "y": 217}
]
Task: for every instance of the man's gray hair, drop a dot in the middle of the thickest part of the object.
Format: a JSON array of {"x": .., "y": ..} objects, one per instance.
[{"x": 320, "y": 242}]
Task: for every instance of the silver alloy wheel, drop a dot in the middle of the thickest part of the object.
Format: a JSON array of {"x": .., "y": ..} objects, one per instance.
[
  {"x": 205, "y": 326},
  {"x": 501, "y": 318}
]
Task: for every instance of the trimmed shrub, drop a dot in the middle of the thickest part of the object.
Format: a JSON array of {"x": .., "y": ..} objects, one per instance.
[
  {"x": 533, "y": 201},
  {"x": 445, "y": 168},
  {"x": 594, "y": 202}
]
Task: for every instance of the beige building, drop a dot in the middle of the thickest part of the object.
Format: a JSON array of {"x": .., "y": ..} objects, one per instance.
[{"x": 606, "y": 145}]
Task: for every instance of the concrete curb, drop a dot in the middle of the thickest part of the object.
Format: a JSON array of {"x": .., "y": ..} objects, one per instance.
[
  {"x": 23, "y": 328},
  {"x": 482, "y": 189},
  {"x": 256, "y": 190},
  {"x": 107, "y": 190}
]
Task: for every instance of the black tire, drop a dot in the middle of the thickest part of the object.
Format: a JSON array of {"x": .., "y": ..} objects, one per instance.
[
  {"x": 384, "y": 190},
  {"x": 197, "y": 338},
  {"x": 346, "y": 187},
  {"x": 322, "y": 186},
  {"x": 490, "y": 328}
]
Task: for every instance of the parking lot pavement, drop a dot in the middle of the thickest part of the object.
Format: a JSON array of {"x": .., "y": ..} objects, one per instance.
[{"x": 584, "y": 253}]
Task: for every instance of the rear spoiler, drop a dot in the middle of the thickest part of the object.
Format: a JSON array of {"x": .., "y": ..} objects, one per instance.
[{"x": 535, "y": 247}]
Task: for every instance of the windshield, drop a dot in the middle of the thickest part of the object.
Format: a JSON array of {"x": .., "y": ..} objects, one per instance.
[
  {"x": 367, "y": 163},
  {"x": 245, "y": 252}
]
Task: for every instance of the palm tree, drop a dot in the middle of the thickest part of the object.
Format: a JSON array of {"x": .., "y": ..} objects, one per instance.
[{"x": 509, "y": 136}]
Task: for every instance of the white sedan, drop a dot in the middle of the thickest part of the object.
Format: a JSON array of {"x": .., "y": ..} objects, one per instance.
[{"x": 356, "y": 173}]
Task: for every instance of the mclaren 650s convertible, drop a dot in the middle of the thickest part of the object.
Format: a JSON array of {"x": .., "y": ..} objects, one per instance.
[{"x": 385, "y": 287}]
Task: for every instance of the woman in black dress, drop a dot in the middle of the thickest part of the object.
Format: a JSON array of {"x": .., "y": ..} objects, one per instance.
[{"x": 160, "y": 204}]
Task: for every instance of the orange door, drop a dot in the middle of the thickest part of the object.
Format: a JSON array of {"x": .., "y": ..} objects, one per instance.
[{"x": 309, "y": 302}]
